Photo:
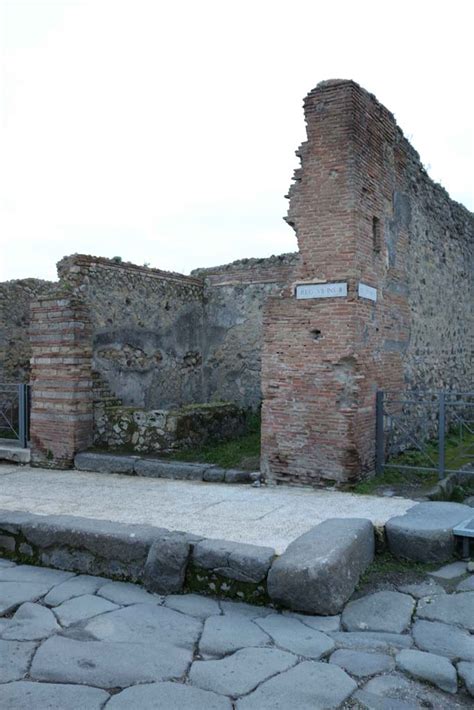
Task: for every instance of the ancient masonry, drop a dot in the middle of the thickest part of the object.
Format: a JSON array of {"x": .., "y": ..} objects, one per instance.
[{"x": 378, "y": 296}]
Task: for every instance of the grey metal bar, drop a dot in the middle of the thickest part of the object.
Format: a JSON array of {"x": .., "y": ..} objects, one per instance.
[
  {"x": 379, "y": 443},
  {"x": 22, "y": 415},
  {"x": 441, "y": 435}
]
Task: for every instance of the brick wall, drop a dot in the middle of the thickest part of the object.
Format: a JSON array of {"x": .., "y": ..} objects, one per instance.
[
  {"x": 364, "y": 211},
  {"x": 61, "y": 415}
]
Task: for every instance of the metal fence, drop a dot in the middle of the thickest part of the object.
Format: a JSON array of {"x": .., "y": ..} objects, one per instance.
[
  {"x": 14, "y": 413},
  {"x": 425, "y": 423}
]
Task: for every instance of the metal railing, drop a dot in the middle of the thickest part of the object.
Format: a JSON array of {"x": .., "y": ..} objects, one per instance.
[
  {"x": 422, "y": 422},
  {"x": 14, "y": 412}
]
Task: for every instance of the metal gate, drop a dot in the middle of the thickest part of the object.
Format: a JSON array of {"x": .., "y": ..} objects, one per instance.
[
  {"x": 15, "y": 413},
  {"x": 423, "y": 422}
]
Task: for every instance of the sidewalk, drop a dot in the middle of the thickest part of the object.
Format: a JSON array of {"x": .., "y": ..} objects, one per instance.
[{"x": 262, "y": 516}]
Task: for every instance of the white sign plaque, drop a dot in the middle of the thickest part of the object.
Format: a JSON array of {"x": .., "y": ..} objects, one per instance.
[
  {"x": 332, "y": 290},
  {"x": 367, "y": 292}
]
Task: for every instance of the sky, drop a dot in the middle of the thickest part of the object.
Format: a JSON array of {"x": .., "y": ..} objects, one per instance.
[{"x": 164, "y": 132}]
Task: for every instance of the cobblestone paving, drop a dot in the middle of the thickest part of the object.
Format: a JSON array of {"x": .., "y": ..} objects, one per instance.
[{"x": 81, "y": 642}]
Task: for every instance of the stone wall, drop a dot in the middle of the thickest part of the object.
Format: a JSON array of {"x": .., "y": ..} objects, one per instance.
[
  {"x": 147, "y": 329},
  {"x": 364, "y": 212},
  {"x": 166, "y": 430},
  {"x": 234, "y": 297},
  {"x": 15, "y": 349}
]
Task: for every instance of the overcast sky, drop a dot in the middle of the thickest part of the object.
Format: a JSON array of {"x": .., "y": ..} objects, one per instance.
[{"x": 164, "y": 131}]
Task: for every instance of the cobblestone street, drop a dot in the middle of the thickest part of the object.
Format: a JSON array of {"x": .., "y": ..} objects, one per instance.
[{"x": 83, "y": 642}]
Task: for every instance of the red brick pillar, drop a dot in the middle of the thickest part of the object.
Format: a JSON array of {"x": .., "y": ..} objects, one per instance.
[
  {"x": 61, "y": 414},
  {"x": 324, "y": 357}
]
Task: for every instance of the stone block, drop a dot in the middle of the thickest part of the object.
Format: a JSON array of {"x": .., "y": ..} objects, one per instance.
[
  {"x": 235, "y": 560},
  {"x": 214, "y": 474},
  {"x": 165, "y": 568},
  {"x": 236, "y": 476},
  {"x": 425, "y": 532},
  {"x": 105, "y": 463},
  {"x": 307, "y": 577},
  {"x": 155, "y": 468}
]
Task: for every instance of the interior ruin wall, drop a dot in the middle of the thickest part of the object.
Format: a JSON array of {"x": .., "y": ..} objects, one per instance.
[
  {"x": 15, "y": 347},
  {"x": 234, "y": 299}
]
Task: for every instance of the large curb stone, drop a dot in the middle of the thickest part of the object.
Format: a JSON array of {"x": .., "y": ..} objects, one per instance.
[
  {"x": 105, "y": 463},
  {"x": 235, "y": 560},
  {"x": 425, "y": 532},
  {"x": 165, "y": 567},
  {"x": 83, "y": 545},
  {"x": 319, "y": 571},
  {"x": 154, "y": 468}
]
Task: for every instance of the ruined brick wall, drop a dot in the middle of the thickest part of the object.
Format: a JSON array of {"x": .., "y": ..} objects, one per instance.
[
  {"x": 146, "y": 326},
  {"x": 15, "y": 349},
  {"x": 364, "y": 211},
  {"x": 61, "y": 377},
  {"x": 234, "y": 297}
]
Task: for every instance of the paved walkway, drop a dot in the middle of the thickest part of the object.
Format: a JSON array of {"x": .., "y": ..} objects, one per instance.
[
  {"x": 262, "y": 516},
  {"x": 82, "y": 642}
]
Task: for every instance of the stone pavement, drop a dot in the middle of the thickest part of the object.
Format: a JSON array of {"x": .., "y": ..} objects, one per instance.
[
  {"x": 85, "y": 643},
  {"x": 261, "y": 516}
]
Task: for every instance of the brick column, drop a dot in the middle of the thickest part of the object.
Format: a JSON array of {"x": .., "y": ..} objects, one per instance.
[
  {"x": 62, "y": 414},
  {"x": 323, "y": 358}
]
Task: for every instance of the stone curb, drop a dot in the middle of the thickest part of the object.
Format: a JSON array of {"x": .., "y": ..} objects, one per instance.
[
  {"x": 161, "y": 468},
  {"x": 317, "y": 573},
  {"x": 166, "y": 561}
]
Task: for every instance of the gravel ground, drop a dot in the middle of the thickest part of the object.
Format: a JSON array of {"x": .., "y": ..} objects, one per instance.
[{"x": 262, "y": 516}]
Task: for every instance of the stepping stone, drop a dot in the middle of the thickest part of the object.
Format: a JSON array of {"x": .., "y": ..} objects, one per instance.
[
  {"x": 450, "y": 609},
  {"x": 12, "y": 594},
  {"x": 308, "y": 686},
  {"x": 466, "y": 673},
  {"x": 425, "y": 532},
  {"x": 372, "y": 640},
  {"x": 38, "y": 575},
  {"x": 243, "y": 609},
  {"x": 31, "y": 622},
  {"x": 427, "y": 666},
  {"x": 125, "y": 593},
  {"x": 444, "y": 640},
  {"x": 320, "y": 623},
  {"x": 362, "y": 664},
  {"x": 382, "y": 611},
  {"x": 193, "y": 604},
  {"x": 307, "y": 575},
  {"x": 26, "y": 696},
  {"x": 242, "y": 672},
  {"x": 167, "y": 696},
  {"x": 294, "y": 636},
  {"x": 225, "y": 634},
  {"x": 75, "y": 587},
  {"x": 455, "y": 569},
  {"x": 107, "y": 665},
  {"x": 430, "y": 588},
  {"x": 467, "y": 585},
  {"x": 146, "y": 623},
  {"x": 80, "y": 608},
  {"x": 15, "y": 657}
]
